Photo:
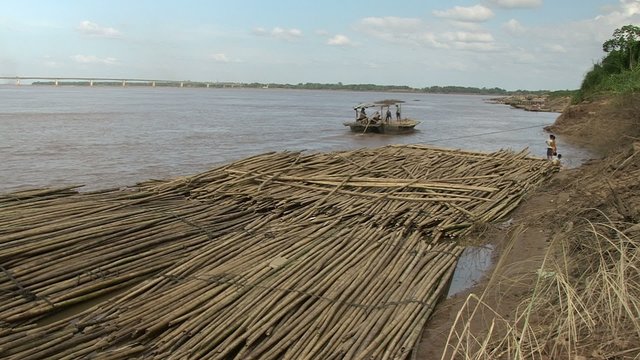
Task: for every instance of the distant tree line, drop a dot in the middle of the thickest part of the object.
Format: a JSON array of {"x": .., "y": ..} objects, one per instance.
[
  {"x": 465, "y": 90},
  {"x": 314, "y": 86},
  {"x": 384, "y": 88}
]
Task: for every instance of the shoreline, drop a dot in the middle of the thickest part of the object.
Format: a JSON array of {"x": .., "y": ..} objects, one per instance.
[{"x": 536, "y": 103}]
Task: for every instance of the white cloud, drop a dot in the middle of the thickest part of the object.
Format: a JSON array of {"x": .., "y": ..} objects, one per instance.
[
  {"x": 563, "y": 52},
  {"x": 517, "y": 4},
  {"x": 480, "y": 41},
  {"x": 221, "y": 58},
  {"x": 627, "y": 11},
  {"x": 372, "y": 65},
  {"x": 392, "y": 22},
  {"x": 630, "y": 7},
  {"x": 556, "y": 48},
  {"x": 91, "y": 59},
  {"x": 513, "y": 26},
  {"x": 339, "y": 40},
  {"x": 92, "y": 29},
  {"x": 260, "y": 31},
  {"x": 475, "y": 46},
  {"x": 278, "y": 33},
  {"x": 430, "y": 39},
  {"x": 451, "y": 65},
  {"x": 391, "y": 29},
  {"x": 467, "y": 37},
  {"x": 476, "y": 13},
  {"x": 412, "y": 32},
  {"x": 522, "y": 56},
  {"x": 50, "y": 62},
  {"x": 466, "y": 26}
]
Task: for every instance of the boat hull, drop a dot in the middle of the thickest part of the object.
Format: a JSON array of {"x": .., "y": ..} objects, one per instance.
[{"x": 395, "y": 127}]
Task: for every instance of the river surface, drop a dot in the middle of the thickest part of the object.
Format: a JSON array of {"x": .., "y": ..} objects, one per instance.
[{"x": 106, "y": 137}]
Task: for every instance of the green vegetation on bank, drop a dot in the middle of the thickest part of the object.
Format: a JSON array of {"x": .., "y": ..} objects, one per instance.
[
  {"x": 619, "y": 70},
  {"x": 373, "y": 87}
]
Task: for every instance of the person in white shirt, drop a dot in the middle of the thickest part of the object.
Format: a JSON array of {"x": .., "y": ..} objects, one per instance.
[{"x": 551, "y": 146}]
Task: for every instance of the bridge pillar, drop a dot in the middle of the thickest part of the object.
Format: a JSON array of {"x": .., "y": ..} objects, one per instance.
[
  {"x": 153, "y": 84},
  {"x": 124, "y": 83}
]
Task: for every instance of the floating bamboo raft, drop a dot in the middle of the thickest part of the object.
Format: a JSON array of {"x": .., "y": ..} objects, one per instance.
[{"x": 279, "y": 256}]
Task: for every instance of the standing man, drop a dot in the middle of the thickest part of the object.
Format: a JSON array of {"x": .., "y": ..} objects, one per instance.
[
  {"x": 397, "y": 112},
  {"x": 551, "y": 146}
]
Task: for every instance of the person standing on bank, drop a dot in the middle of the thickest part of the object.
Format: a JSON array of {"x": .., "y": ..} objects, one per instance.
[
  {"x": 397, "y": 112},
  {"x": 551, "y": 146}
]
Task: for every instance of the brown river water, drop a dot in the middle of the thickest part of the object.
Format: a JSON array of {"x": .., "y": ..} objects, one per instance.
[{"x": 106, "y": 137}]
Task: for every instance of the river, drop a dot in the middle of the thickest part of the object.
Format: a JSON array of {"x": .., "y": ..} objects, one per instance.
[{"x": 106, "y": 137}]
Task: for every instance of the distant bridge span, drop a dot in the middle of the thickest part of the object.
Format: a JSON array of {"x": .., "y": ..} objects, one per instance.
[{"x": 124, "y": 81}]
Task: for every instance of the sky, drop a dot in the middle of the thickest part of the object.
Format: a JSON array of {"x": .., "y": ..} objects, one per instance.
[{"x": 511, "y": 44}]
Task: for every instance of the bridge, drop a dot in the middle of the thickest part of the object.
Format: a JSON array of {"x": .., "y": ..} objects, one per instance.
[{"x": 91, "y": 81}]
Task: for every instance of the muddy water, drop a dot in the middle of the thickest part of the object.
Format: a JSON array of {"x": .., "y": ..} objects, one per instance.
[
  {"x": 106, "y": 137},
  {"x": 471, "y": 268}
]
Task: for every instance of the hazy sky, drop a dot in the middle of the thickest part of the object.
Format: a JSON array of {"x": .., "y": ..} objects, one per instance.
[{"x": 512, "y": 44}]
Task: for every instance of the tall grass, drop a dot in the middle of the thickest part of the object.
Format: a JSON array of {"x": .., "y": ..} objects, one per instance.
[
  {"x": 609, "y": 77},
  {"x": 585, "y": 303}
]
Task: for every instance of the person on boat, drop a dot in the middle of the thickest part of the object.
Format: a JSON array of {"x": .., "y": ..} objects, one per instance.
[
  {"x": 377, "y": 116},
  {"x": 397, "y": 112},
  {"x": 388, "y": 116},
  {"x": 363, "y": 114}
]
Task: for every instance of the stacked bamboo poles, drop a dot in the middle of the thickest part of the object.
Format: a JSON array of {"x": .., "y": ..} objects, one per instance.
[
  {"x": 325, "y": 255},
  {"x": 81, "y": 248}
]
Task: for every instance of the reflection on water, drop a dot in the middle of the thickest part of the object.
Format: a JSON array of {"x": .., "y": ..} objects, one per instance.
[
  {"x": 113, "y": 136},
  {"x": 471, "y": 267}
]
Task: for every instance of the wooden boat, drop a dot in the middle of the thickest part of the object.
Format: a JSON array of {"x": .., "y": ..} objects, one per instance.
[{"x": 388, "y": 123}]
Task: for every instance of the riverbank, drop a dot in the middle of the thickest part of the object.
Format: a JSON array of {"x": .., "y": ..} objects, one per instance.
[
  {"x": 535, "y": 102},
  {"x": 573, "y": 242}
]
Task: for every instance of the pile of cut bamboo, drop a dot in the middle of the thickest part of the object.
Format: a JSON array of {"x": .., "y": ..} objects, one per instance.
[{"x": 282, "y": 255}]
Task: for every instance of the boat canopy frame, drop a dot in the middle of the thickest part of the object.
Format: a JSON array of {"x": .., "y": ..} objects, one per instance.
[{"x": 381, "y": 104}]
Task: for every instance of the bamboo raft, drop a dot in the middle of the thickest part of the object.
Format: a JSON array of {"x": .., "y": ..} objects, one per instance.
[{"x": 283, "y": 255}]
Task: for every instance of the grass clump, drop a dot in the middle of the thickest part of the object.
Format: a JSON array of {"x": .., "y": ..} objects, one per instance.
[
  {"x": 601, "y": 80},
  {"x": 585, "y": 303}
]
